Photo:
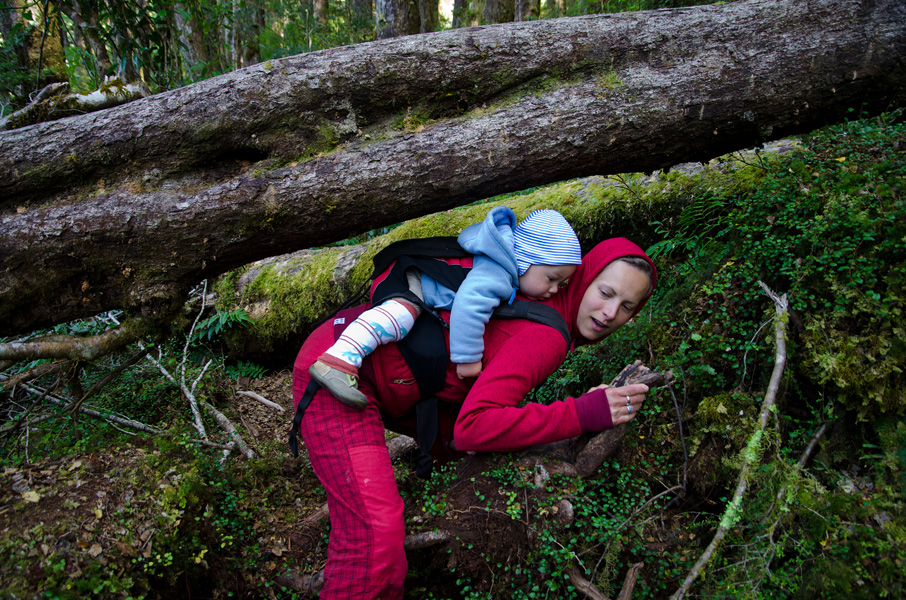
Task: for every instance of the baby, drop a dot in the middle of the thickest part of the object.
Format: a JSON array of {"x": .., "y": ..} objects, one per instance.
[{"x": 533, "y": 258}]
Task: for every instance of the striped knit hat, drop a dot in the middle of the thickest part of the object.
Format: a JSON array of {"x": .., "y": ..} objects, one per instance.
[{"x": 545, "y": 238}]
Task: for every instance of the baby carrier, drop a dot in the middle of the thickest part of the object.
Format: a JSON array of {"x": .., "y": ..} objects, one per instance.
[{"x": 424, "y": 348}]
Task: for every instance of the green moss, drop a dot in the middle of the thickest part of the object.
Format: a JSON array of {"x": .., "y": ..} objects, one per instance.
[{"x": 609, "y": 83}]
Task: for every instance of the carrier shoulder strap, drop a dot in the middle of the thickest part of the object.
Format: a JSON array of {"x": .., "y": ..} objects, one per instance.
[{"x": 432, "y": 247}]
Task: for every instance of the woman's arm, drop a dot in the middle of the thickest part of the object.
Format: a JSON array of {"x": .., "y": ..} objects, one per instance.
[{"x": 519, "y": 355}]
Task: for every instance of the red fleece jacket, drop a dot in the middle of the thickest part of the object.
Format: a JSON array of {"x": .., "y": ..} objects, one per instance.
[{"x": 518, "y": 356}]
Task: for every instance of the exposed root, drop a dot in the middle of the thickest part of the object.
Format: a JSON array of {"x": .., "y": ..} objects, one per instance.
[{"x": 418, "y": 541}]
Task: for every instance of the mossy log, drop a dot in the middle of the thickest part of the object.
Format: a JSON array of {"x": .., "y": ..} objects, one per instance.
[
  {"x": 130, "y": 207},
  {"x": 57, "y": 104}
]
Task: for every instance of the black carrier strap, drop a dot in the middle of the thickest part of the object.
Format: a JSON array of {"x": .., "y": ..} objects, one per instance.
[
  {"x": 426, "y": 427},
  {"x": 307, "y": 395}
]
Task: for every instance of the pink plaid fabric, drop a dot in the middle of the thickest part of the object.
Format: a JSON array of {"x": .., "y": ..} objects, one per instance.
[{"x": 346, "y": 447}]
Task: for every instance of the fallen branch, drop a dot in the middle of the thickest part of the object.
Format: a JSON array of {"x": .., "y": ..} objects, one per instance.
[
  {"x": 260, "y": 399},
  {"x": 71, "y": 346},
  {"x": 53, "y": 103},
  {"x": 752, "y": 452},
  {"x": 36, "y": 372},
  {"x": 227, "y": 426},
  {"x": 426, "y": 539}
]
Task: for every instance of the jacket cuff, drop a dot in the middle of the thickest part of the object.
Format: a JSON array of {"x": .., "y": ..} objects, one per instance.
[{"x": 593, "y": 411}]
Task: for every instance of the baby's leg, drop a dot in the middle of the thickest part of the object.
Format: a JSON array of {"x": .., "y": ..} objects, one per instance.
[
  {"x": 388, "y": 322},
  {"x": 337, "y": 369}
]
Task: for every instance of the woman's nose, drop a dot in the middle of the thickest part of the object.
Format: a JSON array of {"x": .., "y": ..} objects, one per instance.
[{"x": 609, "y": 310}]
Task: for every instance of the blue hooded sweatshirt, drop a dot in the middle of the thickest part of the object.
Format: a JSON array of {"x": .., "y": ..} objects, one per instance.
[{"x": 494, "y": 278}]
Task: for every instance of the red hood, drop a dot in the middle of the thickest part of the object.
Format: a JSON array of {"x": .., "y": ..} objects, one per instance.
[{"x": 570, "y": 296}]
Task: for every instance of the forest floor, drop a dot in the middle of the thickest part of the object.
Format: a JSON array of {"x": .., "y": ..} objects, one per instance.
[{"x": 122, "y": 518}]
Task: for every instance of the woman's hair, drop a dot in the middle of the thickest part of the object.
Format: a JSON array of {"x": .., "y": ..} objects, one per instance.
[{"x": 642, "y": 265}]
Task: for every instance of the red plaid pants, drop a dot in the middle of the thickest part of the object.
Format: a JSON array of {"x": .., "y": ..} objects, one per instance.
[{"x": 346, "y": 447}]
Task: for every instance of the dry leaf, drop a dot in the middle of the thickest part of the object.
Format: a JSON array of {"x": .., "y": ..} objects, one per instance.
[
  {"x": 31, "y": 496},
  {"x": 95, "y": 550}
]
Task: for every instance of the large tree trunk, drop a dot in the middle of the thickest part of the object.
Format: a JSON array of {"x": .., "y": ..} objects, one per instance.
[{"x": 129, "y": 207}]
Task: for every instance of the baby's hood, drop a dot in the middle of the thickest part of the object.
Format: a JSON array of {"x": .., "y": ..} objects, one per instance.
[{"x": 493, "y": 238}]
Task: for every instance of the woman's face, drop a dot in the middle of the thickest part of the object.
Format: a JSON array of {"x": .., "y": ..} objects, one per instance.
[{"x": 611, "y": 299}]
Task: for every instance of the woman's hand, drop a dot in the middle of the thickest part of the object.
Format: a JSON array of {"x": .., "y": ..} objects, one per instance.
[
  {"x": 624, "y": 401},
  {"x": 468, "y": 370}
]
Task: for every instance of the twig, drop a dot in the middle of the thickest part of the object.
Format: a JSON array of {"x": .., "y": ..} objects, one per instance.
[
  {"x": 679, "y": 422},
  {"x": 799, "y": 465},
  {"x": 261, "y": 399},
  {"x": 188, "y": 393},
  {"x": 94, "y": 413},
  {"x": 752, "y": 451},
  {"x": 110, "y": 419}
]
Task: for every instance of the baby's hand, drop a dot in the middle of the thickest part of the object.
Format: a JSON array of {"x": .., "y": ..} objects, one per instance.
[{"x": 468, "y": 370}]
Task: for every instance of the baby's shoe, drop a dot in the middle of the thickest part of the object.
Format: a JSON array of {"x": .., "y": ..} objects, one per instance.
[{"x": 342, "y": 385}]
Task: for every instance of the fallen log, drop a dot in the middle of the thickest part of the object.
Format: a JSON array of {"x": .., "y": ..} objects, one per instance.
[{"x": 130, "y": 207}]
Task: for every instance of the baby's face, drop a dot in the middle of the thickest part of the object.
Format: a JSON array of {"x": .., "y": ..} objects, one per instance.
[{"x": 540, "y": 282}]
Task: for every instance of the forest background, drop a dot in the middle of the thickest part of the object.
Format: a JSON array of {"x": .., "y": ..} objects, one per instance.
[{"x": 126, "y": 502}]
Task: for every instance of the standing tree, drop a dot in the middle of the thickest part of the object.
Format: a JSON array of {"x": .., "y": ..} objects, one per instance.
[
  {"x": 35, "y": 56},
  {"x": 498, "y": 11}
]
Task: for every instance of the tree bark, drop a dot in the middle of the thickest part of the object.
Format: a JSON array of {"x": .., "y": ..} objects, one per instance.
[{"x": 131, "y": 206}]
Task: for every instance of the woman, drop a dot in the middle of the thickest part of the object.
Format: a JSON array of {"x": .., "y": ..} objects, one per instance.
[{"x": 346, "y": 447}]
